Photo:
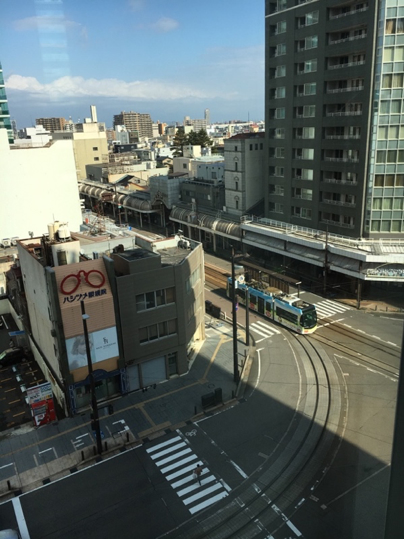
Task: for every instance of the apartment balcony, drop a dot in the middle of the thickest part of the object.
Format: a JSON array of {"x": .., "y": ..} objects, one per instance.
[
  {"x": 340, "y": 182},
  {"x": 335, "y": 15},
  {"x": 341, "y": 159},
  {"x": 344, "y": 113},
  {"x": 342, "y": 90},
  {"x": 332, "y": 41},
  {"x": 347, "y": 64},
  {"x": 342, "y": 137},
  {"x": 337, "y": 223},
  {"x": 339, "y": 203}
]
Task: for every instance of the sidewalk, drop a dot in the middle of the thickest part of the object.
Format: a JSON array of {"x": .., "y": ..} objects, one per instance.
[{"x": 31, "y": 457}]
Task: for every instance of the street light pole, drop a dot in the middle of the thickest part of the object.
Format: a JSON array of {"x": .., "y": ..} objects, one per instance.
[
  {"x": 94, "y": 404},
  {"x": 234, "y": 314}
]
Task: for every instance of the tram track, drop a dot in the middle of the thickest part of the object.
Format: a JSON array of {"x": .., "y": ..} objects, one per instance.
[
  {"x": 393, "y": 353},
  {"x": 262, "y": 501}
]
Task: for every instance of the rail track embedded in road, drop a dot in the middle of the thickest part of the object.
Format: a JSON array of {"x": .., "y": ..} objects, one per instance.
[{"x": 274, "y": 490}]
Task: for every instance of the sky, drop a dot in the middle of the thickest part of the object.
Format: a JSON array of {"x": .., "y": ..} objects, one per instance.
[{"x": 167, "y": 58}]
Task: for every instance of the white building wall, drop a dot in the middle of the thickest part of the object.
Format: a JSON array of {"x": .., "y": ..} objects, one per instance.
[
  {"x": 33, "y": 274},
  {"x": 38, "y": 186}
]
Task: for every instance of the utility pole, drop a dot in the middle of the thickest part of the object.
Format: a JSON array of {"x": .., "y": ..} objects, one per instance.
[
  {"x": 247, "y": 317},
  {"x": 325, "y": 263},
  {"x": 234, "y": 314},
  {"x": 94, "y": 404}
]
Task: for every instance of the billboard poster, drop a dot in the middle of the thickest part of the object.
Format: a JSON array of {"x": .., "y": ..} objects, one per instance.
[
  {"x": 103, "y": 345},
  {"x": 40, "y": 399}
]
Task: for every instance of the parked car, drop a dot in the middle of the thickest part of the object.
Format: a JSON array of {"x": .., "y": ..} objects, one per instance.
[{"x": 12, "y": 355}]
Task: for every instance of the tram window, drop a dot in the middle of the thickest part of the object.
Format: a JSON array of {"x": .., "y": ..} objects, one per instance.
[
  {"x": 241, "y": 294},
  {"x": 253, "y": 299},
  {"x": 268, "y": 306},
  {"x": 286, "y": 315},
  {"x": 261, "y": 305},
  {"x": 309, "y": 318}
]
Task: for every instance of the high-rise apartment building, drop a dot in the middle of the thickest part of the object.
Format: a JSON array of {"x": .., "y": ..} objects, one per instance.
[
  {"x": 335, "y": 115},
  {"x": 5, "y": 122},
  {"x": 135, "y": 121},
  {"x": 207, "y": 116},
  {"x": 52, "y": 124}
]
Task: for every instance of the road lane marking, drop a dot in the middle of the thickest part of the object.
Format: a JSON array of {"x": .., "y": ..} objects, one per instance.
[{"x": 22, "y": 524}]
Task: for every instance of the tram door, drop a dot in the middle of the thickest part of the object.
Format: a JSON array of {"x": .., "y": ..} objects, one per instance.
[{"x": 261, "y": 305}]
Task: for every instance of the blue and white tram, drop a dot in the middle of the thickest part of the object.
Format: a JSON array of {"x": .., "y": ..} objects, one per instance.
[{"x": 289, "y": 311}]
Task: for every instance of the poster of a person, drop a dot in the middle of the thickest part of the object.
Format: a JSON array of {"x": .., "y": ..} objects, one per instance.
[{"x": 77, "y": 352}]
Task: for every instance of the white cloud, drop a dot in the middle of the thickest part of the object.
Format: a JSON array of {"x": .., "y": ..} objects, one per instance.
[
  {"x": 66, "y": 87},
  {"x": 165, "y": 24}
]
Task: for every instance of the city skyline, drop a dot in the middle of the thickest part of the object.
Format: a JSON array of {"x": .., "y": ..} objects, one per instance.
[{"x": 168, "y": 61}]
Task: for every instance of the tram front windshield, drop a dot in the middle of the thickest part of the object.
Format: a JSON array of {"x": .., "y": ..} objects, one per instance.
[{"x": 309, "y": 318}]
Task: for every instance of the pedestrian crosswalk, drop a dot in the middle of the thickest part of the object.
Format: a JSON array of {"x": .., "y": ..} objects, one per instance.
[
  {"x": 176, "y": 461},
  {"x": 264, "y": 330},
  {"x": 328, "y": 308}
]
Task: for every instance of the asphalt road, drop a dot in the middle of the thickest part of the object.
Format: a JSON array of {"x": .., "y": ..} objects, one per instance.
[{"x": 136, "y": 495}]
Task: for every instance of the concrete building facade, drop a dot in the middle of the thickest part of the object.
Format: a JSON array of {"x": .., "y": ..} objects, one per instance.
[
  {"x": 145, "y": 308},
  {"x": 243, "y": 172},
  {"x": 135, "y": 121},
  {"x": 51, "y": 124},
  {"x": 39, "y": 185},
  {"x": 89, "y": 143},
  {"x": 334, "y": 102}
]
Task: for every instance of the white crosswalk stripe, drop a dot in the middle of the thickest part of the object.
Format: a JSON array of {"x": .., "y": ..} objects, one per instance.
[
  {"x": 328, "y": 308},
  {"x": 263, "y": 329},
  {"x": 176, "y": 461}
]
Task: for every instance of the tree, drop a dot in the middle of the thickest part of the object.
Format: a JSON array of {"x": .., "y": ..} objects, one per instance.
[
  {"x": 179, "y": 141},
  {"x": 202, "y": 138}
]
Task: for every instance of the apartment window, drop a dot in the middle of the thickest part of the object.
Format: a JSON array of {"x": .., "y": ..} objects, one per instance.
[
  {"x": 303, "y": 213},
  {"x": 235, "y": 148},
  {"x": 310, "y": 88},
  {"x": 308, "y": 132},
  {"x": 308, "y": 19},
  {"x": 280, "y": 113},
  {"x": 95, "y": 149},
  {"x": 391, "y": 106},
  {"x": 279, "y": 132},
  {"x": 276, "y": 189},
  {"x": 304, "y": 174},
  {"x": 184, "y": 165},
  {"x": 96, "y": 158},
  {"x": 395, "y": 26},
  {"x": 309, "y": 111},
  {"x": 280, "y": 153},
  {"x": 236, "y": 186},
  {"x": 276, "y": 207},
  {"x": 280, "y": 71},
  {"x": 281, "y": 5},
  {"x": 310, "y": 42},
  {"x": 236, "y": 166},
  {"x": 280, "y": 49},
  {"x": 279, "y": 171},
  {"x": 280, "y": 92},
  {"x": 309, "y": 66},
  {"x": 281, "y": 27},
  {"x": 300, "y": 192},
  {"x": 392, "y": 80},
  {"x": 304, "y": 153}
]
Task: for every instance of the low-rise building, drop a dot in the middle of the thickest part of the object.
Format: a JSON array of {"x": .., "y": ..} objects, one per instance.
[{"x": 145, "y": 309}]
